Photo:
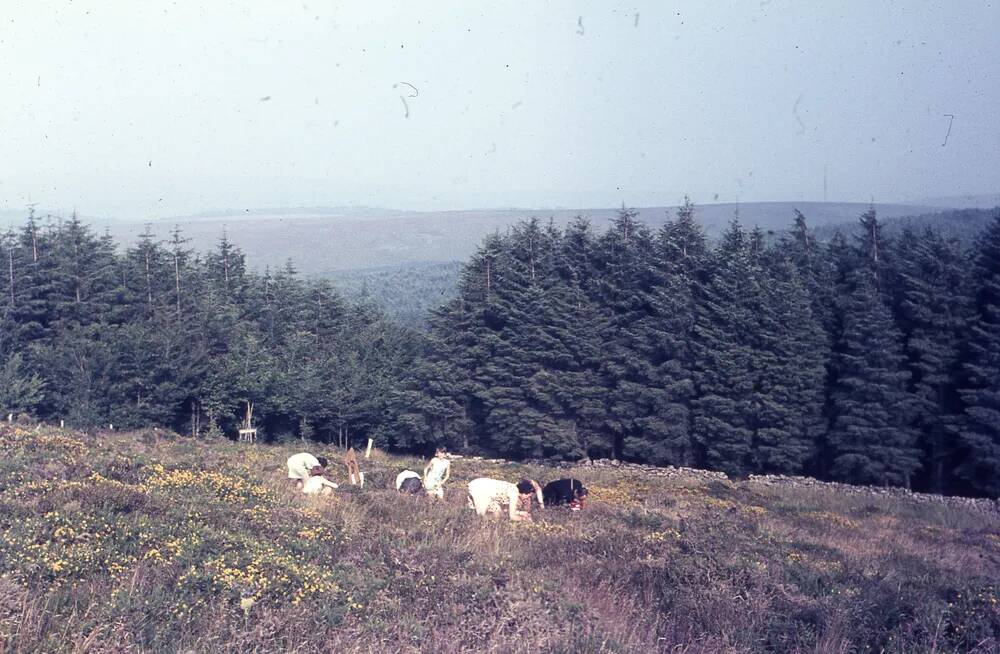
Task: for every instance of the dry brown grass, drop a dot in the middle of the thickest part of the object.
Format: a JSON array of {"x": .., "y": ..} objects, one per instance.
[{"x": 147, "y": 557}]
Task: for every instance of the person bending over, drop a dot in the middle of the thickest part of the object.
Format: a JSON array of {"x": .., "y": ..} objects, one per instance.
[
  {"x": 304, "y": 465},
  {"x": 436, "y": 473},
  {"x": 490, "y": 495},
  {"x": 403, "y": 476},
  {"x": 411, "y": 486},
  {"x": 318, "y": 485},
  {"x": 565, "y": 491}
]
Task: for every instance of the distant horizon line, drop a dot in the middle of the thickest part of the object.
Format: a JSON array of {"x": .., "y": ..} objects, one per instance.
[{"x": 930, "y": 203}]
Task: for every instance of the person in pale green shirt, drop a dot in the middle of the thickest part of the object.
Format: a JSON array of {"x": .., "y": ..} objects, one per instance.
[
  {"x": 304, "y": 465},
  {"x": 436, "y": 473}
]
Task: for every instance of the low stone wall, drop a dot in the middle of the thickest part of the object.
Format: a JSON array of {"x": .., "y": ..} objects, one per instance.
[{"x": 978, "y": 503}]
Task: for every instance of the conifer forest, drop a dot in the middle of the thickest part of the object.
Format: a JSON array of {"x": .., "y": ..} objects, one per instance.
[{"x": 861, "y": 357}]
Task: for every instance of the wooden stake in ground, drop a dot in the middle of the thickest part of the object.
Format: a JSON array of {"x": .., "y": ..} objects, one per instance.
[
  {"x": 353, "y": 471},
  {"x": 368, "y": 452}
]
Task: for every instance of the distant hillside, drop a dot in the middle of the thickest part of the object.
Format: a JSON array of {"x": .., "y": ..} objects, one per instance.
[
  {"x": 320, "y": 241},
  {"x": 962, "y": 224},
  {"x": 397, "y": 258},
  {"x": 982, "y": 201},
  {"x": 407, "y": 293},
  {"x": 14, "y": 218}
]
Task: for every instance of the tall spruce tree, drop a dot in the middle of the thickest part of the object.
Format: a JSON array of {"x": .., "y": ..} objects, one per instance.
[
  {"x": 9, "y": 251},
  {"x": 575, "y": 266},
  {"x": 815, "y": 268},
  {"x": 933, "y": 308},
  {"x": 466, "y": 330},
  {"x": 625, "y": 261},
  {"x": 981, "y": 379},
  {"x": 724, "y": 358},
  {"x": 871, "y": 439},
  {"x": 788, "y": 397},
  {"x": 666, "y": 335},
  {"x": 520, "y": 416}
]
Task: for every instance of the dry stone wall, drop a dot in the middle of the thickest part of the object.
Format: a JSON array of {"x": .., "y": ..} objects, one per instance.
[{"x": 788, "y": 481}]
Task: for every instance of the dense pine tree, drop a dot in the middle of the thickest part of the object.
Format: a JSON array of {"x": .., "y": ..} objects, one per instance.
[
  {"x": 981, "y": 380},
  {"x": 625, "y": 262},
  {"x": 728, "y": 303},
  {"x": 815, "y": 268},
  {"x": 871, "y": 439},
  {"x": 425, "y": 409},
  {"x": 933, "y": 309},
  {"x": 666, "y": 340},
  {"x": 788, "y": 394}
]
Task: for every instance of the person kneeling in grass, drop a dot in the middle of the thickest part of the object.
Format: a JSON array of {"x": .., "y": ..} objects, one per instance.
[
  {"x": 403, "y": 476},
  {"x": 318, "y": 485},
  {"x": 303, "y": 466},
  {"x": 565, "y": 491},
  {"x": 411, "y": 486},
  {"x": 489, "y": 495},
  {"x": 408, "y": 482}
]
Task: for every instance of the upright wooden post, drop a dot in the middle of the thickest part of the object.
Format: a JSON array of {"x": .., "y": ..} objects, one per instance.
[
  {"x": 368, "y": 452},
  {"x": 353, "y": 471}
]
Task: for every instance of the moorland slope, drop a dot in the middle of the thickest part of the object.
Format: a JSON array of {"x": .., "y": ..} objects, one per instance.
[{"x": 153, "y": 542}]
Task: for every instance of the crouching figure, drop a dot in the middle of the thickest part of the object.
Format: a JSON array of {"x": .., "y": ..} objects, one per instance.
[
  {"x": 570, "y": 492},
  {"x": 408, "y": 483},
  {"x": 303, "y": 466},
  {"x": 490, "y": 495},
  {"x": 318, "y": 485}
]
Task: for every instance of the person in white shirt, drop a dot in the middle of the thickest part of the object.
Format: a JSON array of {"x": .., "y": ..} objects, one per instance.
[
  {"x": 304, "y": 465},
  {"x": 318, "y": 485},
  {"x": 436, "y": 473},
  {"x": 489, "y": 495},
  {"x": 403, "y": 476}
]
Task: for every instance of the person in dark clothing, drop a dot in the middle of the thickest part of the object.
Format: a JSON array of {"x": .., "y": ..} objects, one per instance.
[
  {"x": 411, "y": 486},
  {"x": 565, "y": 491}
]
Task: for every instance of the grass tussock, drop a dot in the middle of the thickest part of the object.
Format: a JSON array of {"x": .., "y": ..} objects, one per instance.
[{"x": 152, "y": 543}]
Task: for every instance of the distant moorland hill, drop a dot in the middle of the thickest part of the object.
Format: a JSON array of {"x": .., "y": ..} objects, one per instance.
[
  {"x": 320, "y": 241},
  {"x": 408, "y": 291},
  {"x": 405, "y": 261}
]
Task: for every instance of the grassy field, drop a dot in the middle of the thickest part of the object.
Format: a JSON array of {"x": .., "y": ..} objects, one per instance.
[{"x": 133, "y": 542}]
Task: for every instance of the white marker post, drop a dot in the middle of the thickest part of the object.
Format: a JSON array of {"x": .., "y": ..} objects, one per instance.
[{"x": 368, "y": 452}]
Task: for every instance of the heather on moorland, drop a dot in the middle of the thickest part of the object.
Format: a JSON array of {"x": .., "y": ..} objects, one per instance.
[{"x": 151, "y": 541}]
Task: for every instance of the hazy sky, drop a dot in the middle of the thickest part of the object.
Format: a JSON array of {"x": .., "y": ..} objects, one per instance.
[{"x": 141, "y": 109}]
